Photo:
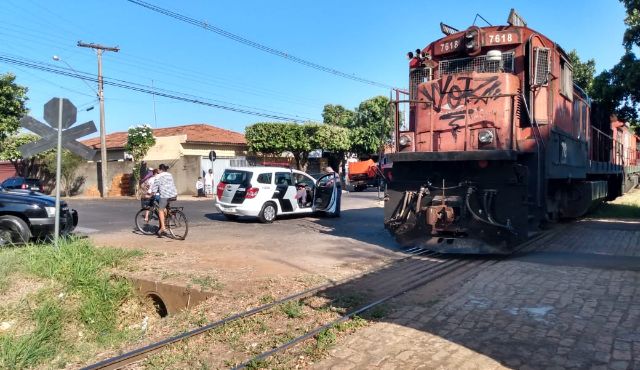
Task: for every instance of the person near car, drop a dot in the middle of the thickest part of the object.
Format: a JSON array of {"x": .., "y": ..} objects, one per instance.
[
  {"x": 208, "y": 183},
  {"x": 335, "y": 179},
  {"x": 164, "y": 185},
  {"x": 301, "y": 194},
  {"x": 200, "y": 187}
]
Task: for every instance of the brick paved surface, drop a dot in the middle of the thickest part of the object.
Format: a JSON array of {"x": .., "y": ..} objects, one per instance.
[{"x": 575, "y": 304}]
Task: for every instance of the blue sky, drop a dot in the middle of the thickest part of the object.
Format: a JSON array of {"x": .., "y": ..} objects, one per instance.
[{"x": 366, "y": 38}]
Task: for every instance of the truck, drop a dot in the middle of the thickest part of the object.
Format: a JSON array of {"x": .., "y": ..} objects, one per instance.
[{"x": 362, "y": 174}]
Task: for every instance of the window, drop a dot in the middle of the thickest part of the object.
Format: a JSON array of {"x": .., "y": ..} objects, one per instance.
[
  {"x": 566, "y": 79},
  {"x": 236, "y": 177},
  {"x": 541, "y": 68},
  {"x": 283, "y": 178},
  {"x": 299, "y": 178},
  {"x": 264, "y": 178},
  {"x": 416, "y": 77}
]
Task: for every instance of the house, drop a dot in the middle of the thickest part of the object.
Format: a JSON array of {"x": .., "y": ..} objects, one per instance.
[{"x": 184, "y": 148}]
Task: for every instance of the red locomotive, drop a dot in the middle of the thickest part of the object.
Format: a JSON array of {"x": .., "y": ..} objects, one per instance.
[{"x": 496, "y": 141}]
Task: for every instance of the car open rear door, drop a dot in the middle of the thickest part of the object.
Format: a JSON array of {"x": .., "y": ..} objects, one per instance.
[{"x": 325, "y": 193}]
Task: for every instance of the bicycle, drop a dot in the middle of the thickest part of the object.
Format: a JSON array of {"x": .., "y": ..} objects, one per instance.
[{"x": 176, "y": 221}]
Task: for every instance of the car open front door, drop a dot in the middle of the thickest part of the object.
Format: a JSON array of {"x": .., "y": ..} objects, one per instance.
[{"x": 325, "y": 194}]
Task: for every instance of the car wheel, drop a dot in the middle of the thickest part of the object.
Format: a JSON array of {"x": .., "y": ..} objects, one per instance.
[
  {"x": 13, "y": 230},
  {"x": 230, "y": 217},
  {"x": 268, "y": 213}
]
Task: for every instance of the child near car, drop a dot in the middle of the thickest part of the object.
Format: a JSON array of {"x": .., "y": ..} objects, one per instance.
[{"x": 200, "y": 187}]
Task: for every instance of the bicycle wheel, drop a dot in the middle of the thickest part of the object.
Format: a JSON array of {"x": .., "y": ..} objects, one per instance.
[
  {"x": 177, "y": 224},
  {"x": 151, "y": 226}
]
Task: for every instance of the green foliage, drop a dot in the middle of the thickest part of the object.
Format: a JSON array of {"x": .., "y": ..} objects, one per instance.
[
  {"x": 372, "y": 126},
  {"x": 80, "y": 294},
  {"x": 583, "y": 72},
  {"x": 369, "y": 126},
  {"x": 632, "y": 20},
  {"x": 24, "y": 166},
  {"x": 331, "y": 138},
  {"x": 69, "y": 164},
  {"x": 293, "y": 309},
  {"x": 139, "y": 140},
  {"x": 81, "y": 268},
  {"x": 338, "y": 115},
  {"x": 43, "y": 343},
  {"x": 9, "y": 149},
  {"x": 617, "y": 91},
  {"x": 278, "y": 137},
  {"x": 13, "y": 98}
]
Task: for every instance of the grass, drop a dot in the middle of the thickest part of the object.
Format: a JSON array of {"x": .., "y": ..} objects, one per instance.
[
  {"x": 627, "y": 206},
  {"x": 206, "y": 282},
  {"x": 85, "y": 297},
  {"x": 21, "y": 351},
  {"x": 611, "y": 210},
  {"x": 293, "y": 309}
]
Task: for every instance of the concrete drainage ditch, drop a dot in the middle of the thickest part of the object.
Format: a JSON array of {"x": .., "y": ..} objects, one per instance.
[{"x": 168, "y": 299}]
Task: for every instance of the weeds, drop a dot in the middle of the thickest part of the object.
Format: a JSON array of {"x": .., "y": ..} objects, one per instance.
[
  {"x": 612, "y": 210},
  {"x": 207, "y": 282},
  {"x": 85, "y": 297},
  {"x": 17, "y": 352},
  {"x": 293, "y": 309}
]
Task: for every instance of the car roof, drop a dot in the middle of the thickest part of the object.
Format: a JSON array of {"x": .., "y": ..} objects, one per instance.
[{"x": 262, "y": 168}]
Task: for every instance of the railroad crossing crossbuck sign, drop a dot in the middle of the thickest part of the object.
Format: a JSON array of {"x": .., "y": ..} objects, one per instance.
[{"x": 56, "y": 110}]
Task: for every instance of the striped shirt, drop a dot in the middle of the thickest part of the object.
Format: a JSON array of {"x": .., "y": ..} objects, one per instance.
[{"x": 164, "y": 185}]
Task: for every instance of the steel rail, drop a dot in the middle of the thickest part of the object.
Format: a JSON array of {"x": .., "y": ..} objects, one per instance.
[
  {"x": 453, "y": 265},
  {"x": 138, "y": 354},
  {"x": 448, "y": 268}
]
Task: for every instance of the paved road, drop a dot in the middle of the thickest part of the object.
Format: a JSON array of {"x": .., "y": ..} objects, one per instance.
[{"x": 361, "y": 217}]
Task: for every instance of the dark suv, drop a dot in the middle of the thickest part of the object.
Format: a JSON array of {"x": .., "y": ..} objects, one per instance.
[
  {"x": 28, "y": 214},
  {"x": 22, "y": 183}
]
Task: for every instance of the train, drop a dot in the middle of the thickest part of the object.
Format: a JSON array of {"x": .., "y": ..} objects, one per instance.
[{"x": 493, "y": 141}]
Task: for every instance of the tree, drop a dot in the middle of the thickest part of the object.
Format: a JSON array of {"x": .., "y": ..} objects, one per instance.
[
  {"x": 338, "y": 115},
  {"x": 276, "y": 138},
  {"x": 13, "y": 98},
  {"x": 139, "y": 140},
  {"x": 372, "y": 126},
  {"x": 632, "y": 20},
  {"x": 583, "y": 72},
  {"x": 69, "y": 164},
  {"x": 617, "y": 91},
  {"x": 26, "y": 167}
]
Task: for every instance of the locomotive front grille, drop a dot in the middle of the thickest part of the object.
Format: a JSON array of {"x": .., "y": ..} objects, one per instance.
[{"x": 478, "y": 64}]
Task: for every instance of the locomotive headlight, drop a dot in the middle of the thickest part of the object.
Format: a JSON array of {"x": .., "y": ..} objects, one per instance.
[
  {"x": 404, "y": 140},
  {"x": 485, "y": 136}
]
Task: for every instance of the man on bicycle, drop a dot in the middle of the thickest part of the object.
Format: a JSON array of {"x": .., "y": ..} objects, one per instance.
[{"x": 164, "y": 186}]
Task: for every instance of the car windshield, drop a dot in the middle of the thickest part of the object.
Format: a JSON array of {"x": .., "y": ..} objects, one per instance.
[{"x": 236, "y": 177}]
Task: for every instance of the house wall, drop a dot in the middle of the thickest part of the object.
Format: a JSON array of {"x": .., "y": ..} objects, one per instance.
[
  {"x": 184, "y": 170},
  {"x": 6, "y": 170}
]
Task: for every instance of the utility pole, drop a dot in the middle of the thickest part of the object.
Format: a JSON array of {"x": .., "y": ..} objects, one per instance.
[{"x": 103, "y": 141}]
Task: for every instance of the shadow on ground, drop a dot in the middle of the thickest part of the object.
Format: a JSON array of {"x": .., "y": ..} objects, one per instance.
[{"x": 570, "y": 303}]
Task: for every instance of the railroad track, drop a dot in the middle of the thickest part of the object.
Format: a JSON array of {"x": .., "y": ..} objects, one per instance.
[{"x": 415, "y": 269}]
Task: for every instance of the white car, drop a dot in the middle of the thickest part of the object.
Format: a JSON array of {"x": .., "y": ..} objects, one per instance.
[{"x": 266, "y": 192}]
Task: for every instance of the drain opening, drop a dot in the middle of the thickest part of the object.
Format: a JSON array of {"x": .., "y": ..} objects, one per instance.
[{"x": 159, "y": 305}]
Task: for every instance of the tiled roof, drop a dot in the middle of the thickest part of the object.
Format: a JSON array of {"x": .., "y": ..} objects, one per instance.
[{"x": 197, "y": 133}]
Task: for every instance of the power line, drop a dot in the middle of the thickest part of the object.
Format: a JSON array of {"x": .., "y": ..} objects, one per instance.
[
  {"x": 254, "y": 44},
  {"x": 141, "y": 88}
]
